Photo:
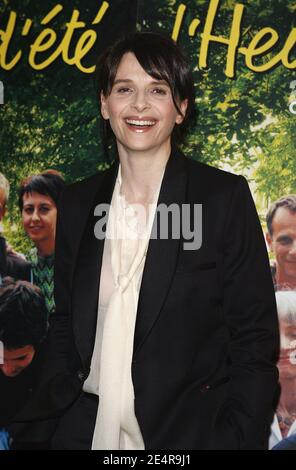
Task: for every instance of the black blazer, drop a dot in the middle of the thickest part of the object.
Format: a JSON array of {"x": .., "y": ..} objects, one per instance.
[{"x": 206, "y": 333}]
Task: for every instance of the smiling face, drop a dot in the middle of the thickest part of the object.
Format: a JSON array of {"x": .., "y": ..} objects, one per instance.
[
  {"x": 283, "y": 244},
  {"x": 16, "y": 360},
  {"x": 287, "y": 359},
  {"x": 39, "y": 217},
  {"x": 140, "y": 109}
]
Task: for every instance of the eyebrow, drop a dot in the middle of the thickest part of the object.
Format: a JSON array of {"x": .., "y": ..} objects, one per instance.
[
  {"x": 43, "y": 204},
  {"x": 129, "y": 80}
]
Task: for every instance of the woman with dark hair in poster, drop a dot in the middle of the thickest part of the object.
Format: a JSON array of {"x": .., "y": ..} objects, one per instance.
[{"x": 38, "y": 200}]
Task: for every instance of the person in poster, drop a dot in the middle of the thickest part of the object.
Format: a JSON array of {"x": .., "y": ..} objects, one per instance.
[
  {"x": 23, "y": 328},
  {"x": 38, "y": 199},
  {"x": 281, "y": 238},
  {"x": 283, "y": 430},
  {"x": 158, "y": 342}
]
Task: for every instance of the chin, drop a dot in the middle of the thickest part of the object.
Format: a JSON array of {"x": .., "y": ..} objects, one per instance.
[
  {"x": 15, "y": 374},
  {"x": 36, "y": 238},
  {"x": 140, "y": 147}
]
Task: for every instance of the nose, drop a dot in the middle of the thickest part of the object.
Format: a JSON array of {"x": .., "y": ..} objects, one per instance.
[
  {"x": 35, "y": 215},
  {"x": 140, "y": 102}
]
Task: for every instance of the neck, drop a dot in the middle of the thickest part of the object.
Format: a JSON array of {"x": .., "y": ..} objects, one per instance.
[
  {"x": 141, "y": 173},
  {"x": 45, "y": 248},
  {"x": 283, "y": 279}
]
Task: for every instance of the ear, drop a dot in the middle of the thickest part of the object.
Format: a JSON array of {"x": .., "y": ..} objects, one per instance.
[
  {"x": 104, "y": 106},
  {"x": 183, "y": 108},
  {"x": 269, "y": 241}
]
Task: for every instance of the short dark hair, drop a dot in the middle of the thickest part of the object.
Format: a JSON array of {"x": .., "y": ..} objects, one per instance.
[
  {"x": 49, "y": 183},
  {"x": 23, "y": 314},
  {"x": 287, "y": 202},
  {"x": 161, "y": 58}
]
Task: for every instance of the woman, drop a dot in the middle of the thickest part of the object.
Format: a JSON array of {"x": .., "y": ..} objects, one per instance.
[
  {"x": 162, "y": 339},
  {"x": 38, "y": 198}
]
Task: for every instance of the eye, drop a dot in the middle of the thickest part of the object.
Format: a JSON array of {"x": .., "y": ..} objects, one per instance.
[
  {"x": 159, "y": 91},
  {"x": 123, "y": 90},
  {"x": 284, "y": 240},
  {"x": 44, "y": 210},
  {"x": 28, "y": 210}
]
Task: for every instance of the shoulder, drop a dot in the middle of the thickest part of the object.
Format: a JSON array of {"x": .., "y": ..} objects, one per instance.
[
  {"x": 79, "y": 194},
  {"x": 83, "y": 187},
  {"x": 211, "y": 182},
  {"x": 17, "y": 267},
  {"x": 202, "y": 171},
  {"x": 17, "y": 259}
]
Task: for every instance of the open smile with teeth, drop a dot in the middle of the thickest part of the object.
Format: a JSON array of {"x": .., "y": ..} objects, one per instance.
[{"x": 138, "y": 123}]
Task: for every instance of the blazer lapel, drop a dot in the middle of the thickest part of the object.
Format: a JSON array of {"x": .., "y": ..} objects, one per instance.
[
  {"x": 87, "y": 272},
  {"x": 162, "y": 254}
]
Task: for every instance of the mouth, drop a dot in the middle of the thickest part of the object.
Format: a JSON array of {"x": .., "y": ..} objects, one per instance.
[{"x": 140, "y": 125}]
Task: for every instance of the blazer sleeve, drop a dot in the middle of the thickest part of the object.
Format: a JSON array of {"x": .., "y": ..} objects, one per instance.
[
  {"x": 250, "y": 313},
  {"x": 62, "y": 357}
]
